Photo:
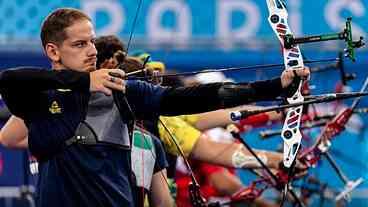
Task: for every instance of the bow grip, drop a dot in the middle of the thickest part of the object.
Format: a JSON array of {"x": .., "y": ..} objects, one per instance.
[{"x": 294, "y": 86}]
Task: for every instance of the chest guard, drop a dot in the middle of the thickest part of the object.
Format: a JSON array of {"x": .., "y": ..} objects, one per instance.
[{"x": 102, "y": 125}]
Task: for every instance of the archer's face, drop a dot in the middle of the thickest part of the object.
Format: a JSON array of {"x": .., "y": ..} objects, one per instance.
[{"x": 78, "y": 51}]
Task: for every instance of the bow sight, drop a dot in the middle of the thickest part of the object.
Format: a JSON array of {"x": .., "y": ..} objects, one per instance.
[{"x": 346, "y": 34}]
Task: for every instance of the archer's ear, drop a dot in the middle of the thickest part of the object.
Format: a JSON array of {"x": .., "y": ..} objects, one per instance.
[{"x": 52, "y": 51}]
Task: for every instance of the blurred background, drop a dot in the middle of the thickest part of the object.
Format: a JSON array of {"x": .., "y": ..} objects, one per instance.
[{"x": 194, "y": 35}]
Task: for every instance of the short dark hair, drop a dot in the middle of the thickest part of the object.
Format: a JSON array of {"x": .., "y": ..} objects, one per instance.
[
  {"x": 107, "y": 46},
  {"x": 53, "y": 27}
]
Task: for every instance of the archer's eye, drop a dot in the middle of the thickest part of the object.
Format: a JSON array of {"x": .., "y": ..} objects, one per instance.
[{"x": 80, "y": 44}]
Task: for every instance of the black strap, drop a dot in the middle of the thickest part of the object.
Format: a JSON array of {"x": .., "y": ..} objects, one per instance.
[{"x": 84, "y": 134}]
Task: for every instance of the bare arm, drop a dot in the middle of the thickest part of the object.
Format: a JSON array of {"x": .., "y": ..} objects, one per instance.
[
  {"x": 160, "y": 192},
  {"x": 14, "y": 134},
  {"x": 231, "y": 154},
  {"x": 199, "y": 146},
  {"x": 225, "y": 182}
]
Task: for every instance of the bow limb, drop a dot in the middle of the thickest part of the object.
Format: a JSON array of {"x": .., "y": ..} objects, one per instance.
[
  {"x": 293, "y": 61},
  {"x": 124, "y": 107},
  {"x": 194, "y": 188},
  {"x": 197, "y": 199}
]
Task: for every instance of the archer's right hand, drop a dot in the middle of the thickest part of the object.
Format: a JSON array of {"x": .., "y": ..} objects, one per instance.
[{"x": 106, "y": 80}]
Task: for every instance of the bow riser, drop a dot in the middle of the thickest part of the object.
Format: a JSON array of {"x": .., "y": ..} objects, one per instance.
[
  {"x": 248, "y": 194},
  {"x": 293, "y": 60},
  {"x": 332, "y": 129},
  {"x": 311, "y": 156},
  {"x": 254, "y": 191}
]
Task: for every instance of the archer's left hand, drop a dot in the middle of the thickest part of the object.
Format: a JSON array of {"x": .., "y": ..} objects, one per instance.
[{"x": 288, "y": 76}]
